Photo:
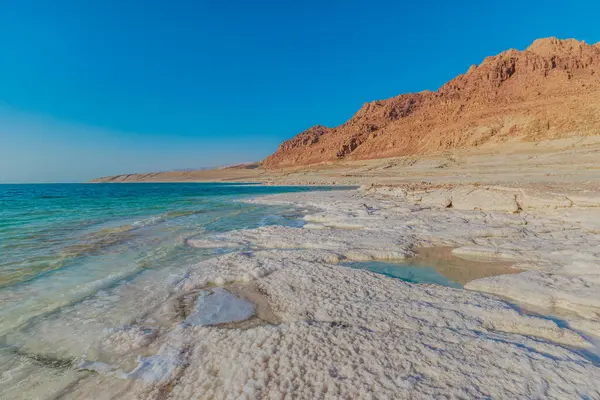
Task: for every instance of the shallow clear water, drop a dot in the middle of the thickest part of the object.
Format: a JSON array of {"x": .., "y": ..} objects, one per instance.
[
  {"x": 78, "y": 259},
  {"x": 406, "y": 272},
  {"x": 436, "y": 265},
  {"x": 49, "y": 227}
]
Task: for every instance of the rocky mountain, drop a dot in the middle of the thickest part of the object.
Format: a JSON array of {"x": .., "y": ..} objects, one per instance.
[{"x": 550, "y": 90}]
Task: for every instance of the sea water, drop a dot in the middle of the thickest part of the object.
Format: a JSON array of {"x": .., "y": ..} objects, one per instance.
[{"x": 77, "y": 260}]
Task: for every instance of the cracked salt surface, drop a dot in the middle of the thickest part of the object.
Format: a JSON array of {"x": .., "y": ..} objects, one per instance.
[
  {"x": 559, "y": 246},
  {"x": 345, "y": 333}
]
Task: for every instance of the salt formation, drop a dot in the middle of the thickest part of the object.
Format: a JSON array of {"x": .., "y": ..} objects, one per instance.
[
  {"x": 558, "y": 242},
  {"x": 353, "y": 334},
  {"x": 347, "y": 333},
  {"x": 218, "y": 306}
]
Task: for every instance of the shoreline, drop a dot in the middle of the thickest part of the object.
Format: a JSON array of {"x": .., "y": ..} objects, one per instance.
[
  {"x": 354, "y": 333},
  {"x": 320, "y": 329},
  {"x": 499, "y": 238},
  {"x": 561, "y": 163}
]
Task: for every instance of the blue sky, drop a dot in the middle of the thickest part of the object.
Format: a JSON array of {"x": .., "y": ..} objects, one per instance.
[{"x": 97, "y": 88}]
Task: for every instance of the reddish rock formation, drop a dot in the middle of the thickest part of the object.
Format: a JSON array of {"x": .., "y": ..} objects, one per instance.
[{"x": 550, "y": 90}]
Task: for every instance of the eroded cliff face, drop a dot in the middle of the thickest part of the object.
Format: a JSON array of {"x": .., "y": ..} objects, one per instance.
[{"x": 550, "y": 90}]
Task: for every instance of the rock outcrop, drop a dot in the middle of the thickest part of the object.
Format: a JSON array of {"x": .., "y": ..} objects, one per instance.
[{"x": 550, "y": 90}]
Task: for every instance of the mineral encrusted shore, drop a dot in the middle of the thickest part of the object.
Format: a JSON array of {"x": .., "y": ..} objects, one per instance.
[{"x": 337, "y": 332}]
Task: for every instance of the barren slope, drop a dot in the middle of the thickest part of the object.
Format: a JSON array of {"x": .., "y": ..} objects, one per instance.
[{"x": 550, "y": 90}]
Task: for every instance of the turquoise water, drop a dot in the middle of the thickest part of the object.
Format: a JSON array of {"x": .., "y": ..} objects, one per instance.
[
  {"x": 77, "y": 259},
  {"x": 436, "y": 265},
  {"x": 407, "y": 272},
  {"x": 45, "y": 229}
]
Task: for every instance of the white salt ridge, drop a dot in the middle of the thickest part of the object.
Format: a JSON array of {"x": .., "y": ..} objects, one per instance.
[
  {"x": 352, "y": 244},
  {"x": 553, "y": 239},
  {"x": 218, "y": 306}
]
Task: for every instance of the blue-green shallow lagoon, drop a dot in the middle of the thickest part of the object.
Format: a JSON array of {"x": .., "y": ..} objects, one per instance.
[
  {"x": 44, "y": 228},
  {"x": 80, "y": 260},
  {"x": 62, "y": 243}
]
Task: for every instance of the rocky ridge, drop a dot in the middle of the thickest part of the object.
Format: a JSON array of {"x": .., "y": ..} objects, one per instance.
[{"x": 550, "y": 90}]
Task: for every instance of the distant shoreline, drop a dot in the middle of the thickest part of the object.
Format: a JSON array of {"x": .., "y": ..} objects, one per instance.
[{"x": 562, "y": 163}]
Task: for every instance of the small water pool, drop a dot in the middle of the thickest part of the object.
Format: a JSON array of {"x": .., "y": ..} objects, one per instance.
[
  {"x": 437, "y": 266},
  {"x": 406, "y": 272}
]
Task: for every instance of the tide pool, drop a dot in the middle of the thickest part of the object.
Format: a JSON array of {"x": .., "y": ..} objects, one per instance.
[{"x": 436, "y": 265}]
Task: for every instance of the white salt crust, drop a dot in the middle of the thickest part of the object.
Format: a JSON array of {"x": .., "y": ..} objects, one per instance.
[
  {"x": 352, "y": 334},
  {"x": 347, "y": 333},
  {"x": 218, "y": 306},
  {"x": 559, "y": 245}
]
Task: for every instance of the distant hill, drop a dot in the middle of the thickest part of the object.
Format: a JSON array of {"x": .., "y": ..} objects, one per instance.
[
  {"x": 240, "y": 172},
  {"x": 550, "y": 90}
]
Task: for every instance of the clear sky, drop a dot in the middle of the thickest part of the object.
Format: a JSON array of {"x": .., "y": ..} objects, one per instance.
[{"x": 92, "y": 88}]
